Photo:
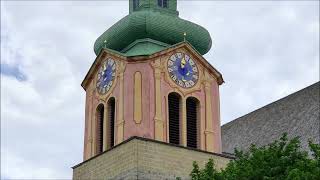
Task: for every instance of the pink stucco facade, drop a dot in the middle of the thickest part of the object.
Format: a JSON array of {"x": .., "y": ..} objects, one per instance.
[{"x": 146, "y": 128}]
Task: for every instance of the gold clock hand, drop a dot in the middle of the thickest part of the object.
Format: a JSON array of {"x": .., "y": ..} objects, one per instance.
[{"x": 183, "y": 62}]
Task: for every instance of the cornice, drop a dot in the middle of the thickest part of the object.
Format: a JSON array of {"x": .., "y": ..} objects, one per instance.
[{"x": 104, "y": 52}]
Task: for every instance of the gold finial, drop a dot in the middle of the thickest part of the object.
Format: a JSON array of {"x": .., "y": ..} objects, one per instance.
[
  {"x": 105, "y": 42},
  {"x": 184, "y": 36}
]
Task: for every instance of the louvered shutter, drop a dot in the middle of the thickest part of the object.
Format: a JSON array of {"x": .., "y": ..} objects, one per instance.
[
  {"x": 111, "y": 116},
  {"x": 100, "y": 112},
  {"x": 192, "y": 122},
  {"x": 174, "y": 118}
]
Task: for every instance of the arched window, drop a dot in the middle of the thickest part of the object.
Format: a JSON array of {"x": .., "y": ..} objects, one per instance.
[
  {"x": 174, "y": 106},
  {"x": 99, "y": 128},
  {"x": 111, "y": 117},
  {"x": 192, "y": 105},
  {"x": 163, "y": 3},
  {"x": 135, "y": 4}
]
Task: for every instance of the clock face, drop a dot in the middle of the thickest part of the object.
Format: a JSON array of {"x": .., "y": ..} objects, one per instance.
[
  {"x": 183, "y": 70},
  {"x": 106, "y": 75}
]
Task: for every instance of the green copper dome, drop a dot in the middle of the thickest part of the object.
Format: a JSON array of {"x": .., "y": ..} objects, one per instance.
[{"x": 148, "y": 20}]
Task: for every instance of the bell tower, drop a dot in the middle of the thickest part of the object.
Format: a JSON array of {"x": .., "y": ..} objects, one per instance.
[{"x": 150, "y": 80}]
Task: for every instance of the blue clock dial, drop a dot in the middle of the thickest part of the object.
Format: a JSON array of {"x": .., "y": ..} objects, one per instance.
[
  {"x": 183, "y": 70},
  {"x": 106, "y": 75}
]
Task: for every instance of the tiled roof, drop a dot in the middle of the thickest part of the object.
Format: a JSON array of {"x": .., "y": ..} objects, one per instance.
[
  {"x": 153, "y": 23},
  {"x": 296, "y": 114}
]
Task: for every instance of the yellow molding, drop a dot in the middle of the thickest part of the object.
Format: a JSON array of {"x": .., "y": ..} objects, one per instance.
[
  {"x": 94, "y": 134},
  {"x": 120, "y": 130},
  {"x": 105, "y": 128},
  {"x": 208, "y": 132},
  {"x": 166, "y": 118},
  {"x": 184, "y": 122},
  {"x": 209, "y": 142},
  {"x": 159, "y": 125},
  {"x": 88, "y": 146},
  {"x": 120, "y": 120},
  {"x": 209, "y": 124},
  {"x": 158, "y": 129},
  {"x": 137, "y": 97}
]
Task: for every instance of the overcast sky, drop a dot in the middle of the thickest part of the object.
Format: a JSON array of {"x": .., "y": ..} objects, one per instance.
[{"x": 265, "y": 51}]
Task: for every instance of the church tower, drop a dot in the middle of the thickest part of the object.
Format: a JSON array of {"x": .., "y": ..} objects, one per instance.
[{"x": 150, "y": 80}]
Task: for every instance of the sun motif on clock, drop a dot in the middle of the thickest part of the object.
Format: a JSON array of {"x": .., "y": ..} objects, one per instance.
[
  {"x": 106, "y": 76},
  {"x": 183, "y": 70}
]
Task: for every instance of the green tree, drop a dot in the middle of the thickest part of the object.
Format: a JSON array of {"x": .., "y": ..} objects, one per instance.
[
  {"x": 281, "y": 160},
  {"x": 208, "y": 173}
]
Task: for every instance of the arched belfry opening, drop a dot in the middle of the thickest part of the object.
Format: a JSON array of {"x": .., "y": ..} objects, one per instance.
[
  {"x": 192, "y": 105},
  {"x": 105, "y": 126},
  {"x": 99, "y": 128},
  {"x": 174, "y": 109},
  {"x": 111, "y": 121}
]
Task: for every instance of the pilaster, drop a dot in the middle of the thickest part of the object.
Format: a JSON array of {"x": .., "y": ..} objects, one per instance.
[
  {"x": 159, "y": 124},
  {"x": 88, "y": 136},
  {"x": 91, "y": 124},
  {"x": 137, "y": 97},
  {"x": 209, "y": 134},
  {"x": 120, "y": 119},
  {"x": 105, "y": 128},
  {"x": 184, "y": 122}
]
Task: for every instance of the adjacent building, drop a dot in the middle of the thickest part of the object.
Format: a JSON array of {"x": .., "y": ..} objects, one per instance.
[{"x": 297, "y": 114}]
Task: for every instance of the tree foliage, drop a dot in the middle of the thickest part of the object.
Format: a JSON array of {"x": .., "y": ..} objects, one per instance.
[
  {"x": 208, "y": 173},
  {"x": 281, "y": 160}
]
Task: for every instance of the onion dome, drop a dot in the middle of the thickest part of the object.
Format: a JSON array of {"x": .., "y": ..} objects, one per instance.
[{"x": 156, "y": 24}]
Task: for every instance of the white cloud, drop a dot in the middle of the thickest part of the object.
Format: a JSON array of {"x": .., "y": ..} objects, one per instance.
[
  {"x": 265, "y": 50},
  {"x": 21, "y": 169},
  {"x": 261, "y": 48}
]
